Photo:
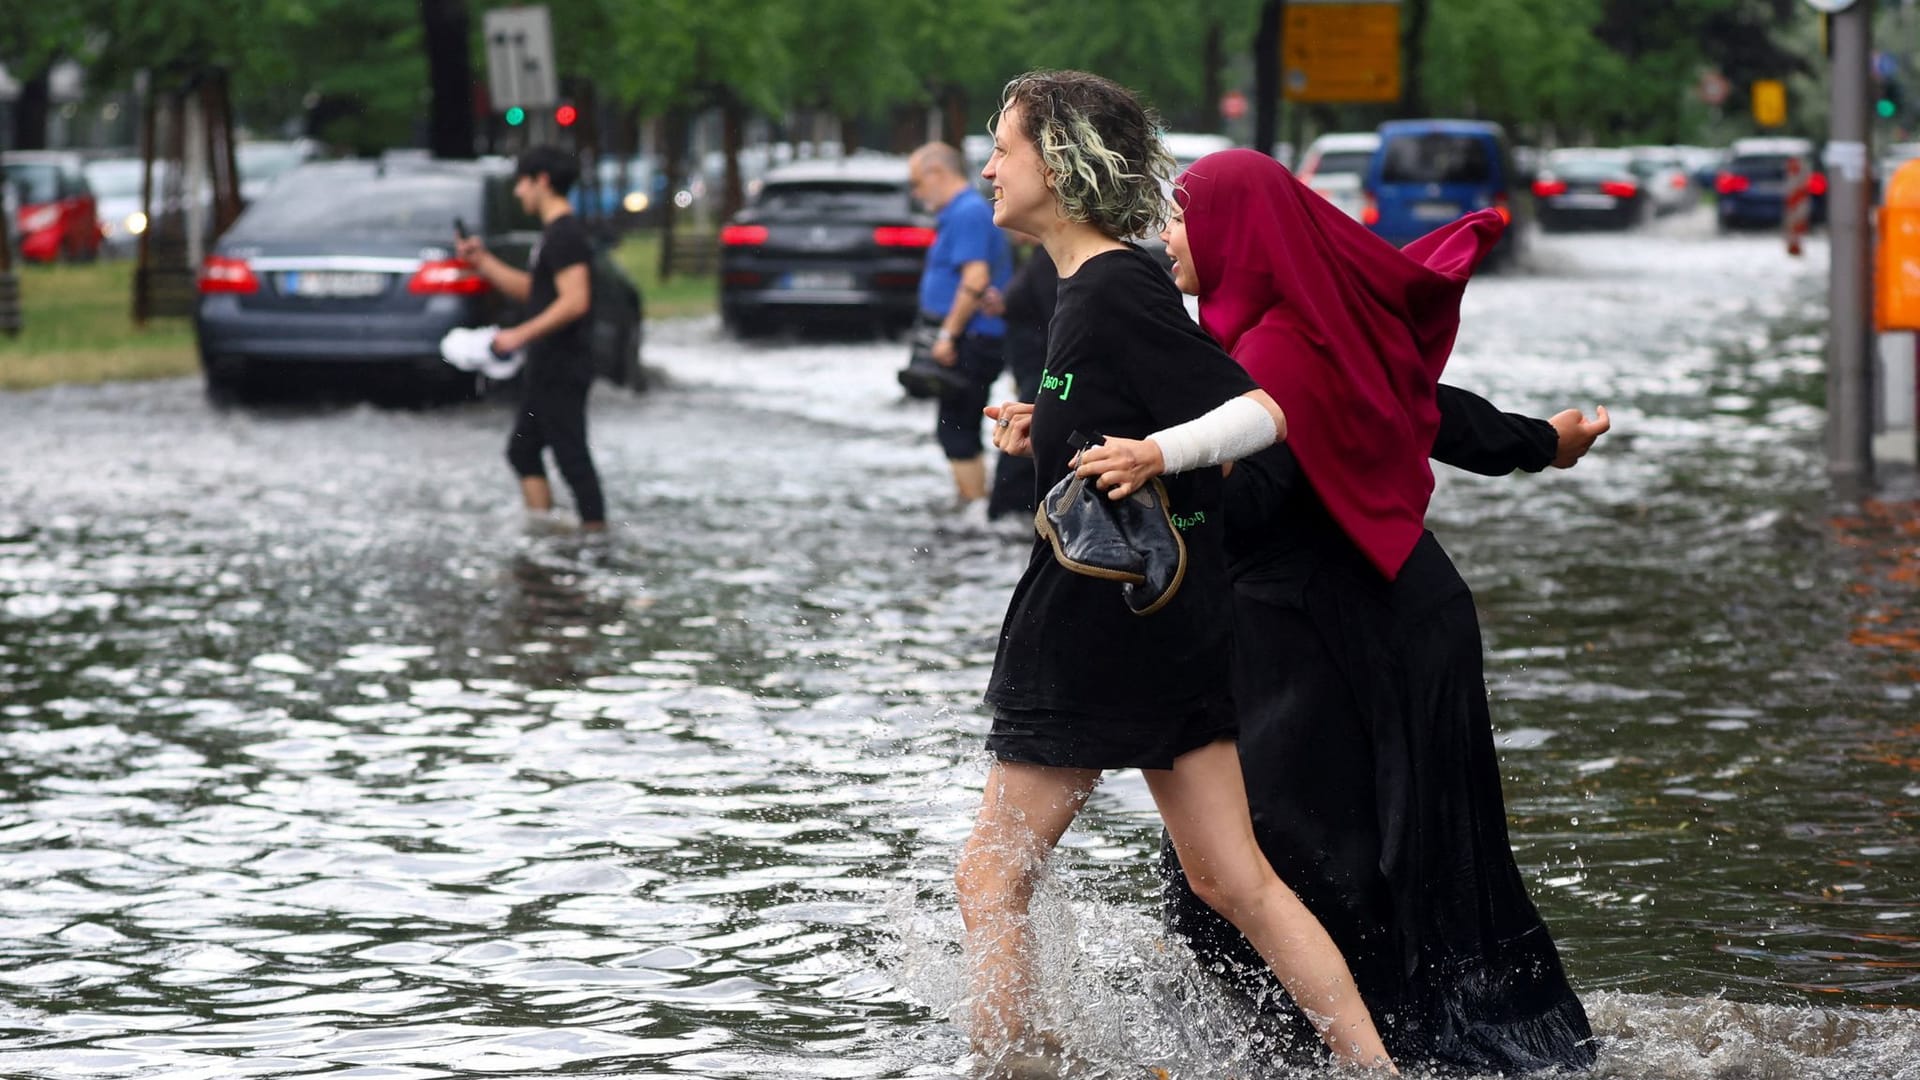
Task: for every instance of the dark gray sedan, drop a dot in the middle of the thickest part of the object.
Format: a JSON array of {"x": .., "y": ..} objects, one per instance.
[
  {"x": 839, "y": 240},
  {"x": 349, "y": 266}
]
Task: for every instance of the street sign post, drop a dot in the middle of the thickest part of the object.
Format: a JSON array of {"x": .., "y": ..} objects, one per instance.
[
  {"x": 520, "y": 71},
  {"x": 1341, "y": 51}
]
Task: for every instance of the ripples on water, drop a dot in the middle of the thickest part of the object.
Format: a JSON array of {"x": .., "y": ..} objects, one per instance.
[{"x": 318, "y": 761}]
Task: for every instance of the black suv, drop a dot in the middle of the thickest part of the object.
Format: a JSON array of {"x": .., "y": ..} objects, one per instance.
[
  {"x": 826, "y": 240},
  {"x": 350, "y": 265}
]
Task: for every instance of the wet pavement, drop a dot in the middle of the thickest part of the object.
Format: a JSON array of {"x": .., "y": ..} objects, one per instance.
[{"x": 318, "y": 759}]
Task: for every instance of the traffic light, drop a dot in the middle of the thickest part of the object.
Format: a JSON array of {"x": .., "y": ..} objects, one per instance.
[
  {"x": 1892, "y": 99},
  {"x": 566, "y": 114},
  {"x": 516, "y": 116}
]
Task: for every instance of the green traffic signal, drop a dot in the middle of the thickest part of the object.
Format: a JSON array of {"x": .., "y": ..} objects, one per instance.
[
  {"x": 1885, "y": 108},
  {"x": 516, "y": 116}
]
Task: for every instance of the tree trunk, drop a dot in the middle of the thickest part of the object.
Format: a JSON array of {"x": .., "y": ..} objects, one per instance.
[
  {"x": 954, "y": 116},
  {"x": 673, "y": 155},
  {"x": 30, "y": 111},
  {"x": 1210, "y": 87},
  {"x": 450, "y": 77},
  {"x": 1266, "y": 76},
  {"x": 1413, "y": 98},
  {"x": 732, "y": 120}
]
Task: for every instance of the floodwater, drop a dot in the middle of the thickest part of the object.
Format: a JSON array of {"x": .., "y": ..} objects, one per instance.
[{"x": 318, "y": 760}]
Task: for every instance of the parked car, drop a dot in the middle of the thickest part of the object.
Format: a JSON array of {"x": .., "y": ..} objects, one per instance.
[
  {"x": 1752, "y": 185},
  {"x": 1336, "y": 166},
  {"x": 1188, "y": 147},
  {"x": 1663, "y": 175},
  {"x": 1585, "y": 189},
  {"x": 349, "y": 265},
  {"x": 1427, "y": 173},
  {"x": 839, "y": 240},
  {"x": 116, "y": 184},
  {"x": 56, "y": 216},
  {"x": 638, "y": 198}
]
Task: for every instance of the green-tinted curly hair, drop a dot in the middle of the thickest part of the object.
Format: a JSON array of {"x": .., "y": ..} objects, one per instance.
[{"x": 1102, "y": 146}]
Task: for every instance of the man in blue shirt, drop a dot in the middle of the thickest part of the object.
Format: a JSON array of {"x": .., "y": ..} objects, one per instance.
[{"x": 969, "y": 256}]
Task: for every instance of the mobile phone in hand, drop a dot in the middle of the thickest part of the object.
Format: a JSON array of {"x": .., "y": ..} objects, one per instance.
[{"x": 460, "y": 228}]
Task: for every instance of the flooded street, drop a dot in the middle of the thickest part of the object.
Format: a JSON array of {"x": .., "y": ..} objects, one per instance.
[{"x": 319, "y": 760}]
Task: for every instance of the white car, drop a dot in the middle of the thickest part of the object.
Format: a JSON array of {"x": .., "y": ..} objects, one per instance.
[
  {"x": 1664, "y": 172},
  {"x": 1335, "y": 165}
]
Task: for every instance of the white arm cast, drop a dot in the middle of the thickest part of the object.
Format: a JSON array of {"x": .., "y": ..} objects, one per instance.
[{"x": 1238, "y": 428}]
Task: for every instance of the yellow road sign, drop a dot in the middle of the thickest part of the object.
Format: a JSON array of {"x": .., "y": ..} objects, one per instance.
[
  {"x": 1341, "y": 51},
  {"x": 1769, "y": 102}
]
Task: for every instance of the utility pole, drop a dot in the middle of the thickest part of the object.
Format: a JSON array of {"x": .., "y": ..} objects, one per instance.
[{"x": 1850, "y": 415}]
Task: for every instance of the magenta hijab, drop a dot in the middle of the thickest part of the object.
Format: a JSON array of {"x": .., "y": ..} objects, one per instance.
[{"x": 1348, "y": 333}]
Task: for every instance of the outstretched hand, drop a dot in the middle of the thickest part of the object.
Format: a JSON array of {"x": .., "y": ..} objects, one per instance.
[
  {"x": 1577, "y": 434},
  {"x": 1122, "y": 466}
]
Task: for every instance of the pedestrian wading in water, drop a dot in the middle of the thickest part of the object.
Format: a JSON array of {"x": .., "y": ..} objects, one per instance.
[
  {"x": 1080, "y": 683},
  {"x": 558, "y": 293},
  {"x": 1364, "y": 733}
]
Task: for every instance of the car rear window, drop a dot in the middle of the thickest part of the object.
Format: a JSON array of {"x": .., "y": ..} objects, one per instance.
[
  {"x": 833, "y": 199},
  {"x": 1587, "y": 168},
  {"x": 1436, "y": 158},
  {"x": 1764, "y": 167},
  {"x": 322, "y": 203},
  {"x": 1343, "y": 161},
  {"x": 35, "y": 183}
]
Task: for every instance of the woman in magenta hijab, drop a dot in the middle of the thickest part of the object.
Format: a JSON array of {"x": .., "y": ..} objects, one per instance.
[{"x": 1364, "y": 733}]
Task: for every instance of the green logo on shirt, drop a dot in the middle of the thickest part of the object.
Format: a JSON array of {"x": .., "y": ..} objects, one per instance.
[
  {"x": 1183, "y": 522},
  {"x": 1062, "y": 383}
]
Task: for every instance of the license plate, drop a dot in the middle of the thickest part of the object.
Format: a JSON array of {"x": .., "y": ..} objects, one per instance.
[
  {"x": 820, "y": 280},
  {"x": 1584, "y": 202},
  {"x": 1435, "y": 211},
  {"x": 331, "y": 283}
]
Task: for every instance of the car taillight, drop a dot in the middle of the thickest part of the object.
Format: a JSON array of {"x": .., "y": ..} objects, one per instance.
[
  {"x": 1619, "y": 189},
  {"x": 222, "y": 274},
  {"x": 444, "y": 276},
  {"x": 743, "y": 235},
  {"x": 1500, "y": 207},
  {"x": 1731, "y": 183},
  {"x": 1370, "y": 211},
  {"x": 903, "y": 236},
  {"x": 1817, "y": 184},
  {"x": 1679, "y": 182},
  {"x": 1545, "y": 188}
]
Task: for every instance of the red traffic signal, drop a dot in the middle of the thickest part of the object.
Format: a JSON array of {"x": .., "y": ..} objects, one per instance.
[{"x": 565, "y": 115}]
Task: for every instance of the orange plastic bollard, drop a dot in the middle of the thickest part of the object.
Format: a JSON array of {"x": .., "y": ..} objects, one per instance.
[{"x": 1897, "y": 269}]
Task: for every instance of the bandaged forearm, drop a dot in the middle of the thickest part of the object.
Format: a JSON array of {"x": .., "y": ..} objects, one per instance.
[{"x": 1240, "y": 427}]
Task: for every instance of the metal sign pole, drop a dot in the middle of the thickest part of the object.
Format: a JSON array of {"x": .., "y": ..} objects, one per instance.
[{"x": 1849, "y": 363}]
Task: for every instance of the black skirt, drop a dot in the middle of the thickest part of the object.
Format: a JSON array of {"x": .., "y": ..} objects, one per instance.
[
  {"x": 1078, "y": 741},
  {"x": 1375, "y": 792}
]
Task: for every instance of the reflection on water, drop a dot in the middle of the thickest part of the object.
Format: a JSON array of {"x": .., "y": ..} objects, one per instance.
[{"x": 317, "y": 759}]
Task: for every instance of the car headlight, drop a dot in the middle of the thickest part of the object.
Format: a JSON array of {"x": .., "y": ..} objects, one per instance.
[
  {"x": 636, "y": 202},
  {"x": 136, "y": 223},
  {"x": 45, "y": 217}
]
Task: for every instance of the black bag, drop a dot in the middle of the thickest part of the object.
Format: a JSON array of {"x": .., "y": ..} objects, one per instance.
[
  {"x": 1131, "y": 541},
  {"x": 924, "y": 377}
]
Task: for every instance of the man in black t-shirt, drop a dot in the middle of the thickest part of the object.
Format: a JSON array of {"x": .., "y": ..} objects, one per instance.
[{"x": 558, "y": 291}]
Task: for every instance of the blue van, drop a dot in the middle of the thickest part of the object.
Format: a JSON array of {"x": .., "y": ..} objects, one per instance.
[{"x": 1429, "y": 172}]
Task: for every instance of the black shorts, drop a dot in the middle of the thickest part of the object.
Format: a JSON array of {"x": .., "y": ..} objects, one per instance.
[{"x": 958, "y": 427}]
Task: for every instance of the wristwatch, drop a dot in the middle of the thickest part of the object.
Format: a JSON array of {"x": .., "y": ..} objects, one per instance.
[{"x": 944, "y": 335}]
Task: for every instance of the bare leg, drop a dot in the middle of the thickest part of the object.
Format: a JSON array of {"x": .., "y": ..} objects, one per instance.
[
  {"x": 970, "y": 478},
  {"x": 1023, "y": 812},
  {"x": 537, "y": 493},
  {"x": 1203, "y": 801}
]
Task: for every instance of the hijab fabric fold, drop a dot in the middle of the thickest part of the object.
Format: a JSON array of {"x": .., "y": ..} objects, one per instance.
[{"x": 1348, "y": 333}]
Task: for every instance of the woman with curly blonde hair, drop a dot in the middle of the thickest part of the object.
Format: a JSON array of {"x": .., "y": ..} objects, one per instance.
[{"x": 1082, "y": 683}]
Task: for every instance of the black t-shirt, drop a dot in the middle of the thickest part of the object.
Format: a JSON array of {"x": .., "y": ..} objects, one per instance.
[
  {"x": 563, "y": 243},
  {"x": 1123, "y": 359}
]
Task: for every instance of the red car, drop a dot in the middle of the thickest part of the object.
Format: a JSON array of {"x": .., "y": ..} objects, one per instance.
[{"x": 57, "y": 216}]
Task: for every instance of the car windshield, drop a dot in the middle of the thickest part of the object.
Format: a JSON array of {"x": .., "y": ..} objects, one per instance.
[
  {"x": 1587, "y": 168},
  {"x": 1436, "y": 159},
  {"x": 1343, "y": 161},
  {"x": 119, "y": 178},
  {"x": 833, "y": 199},
  {"x": 417, "y": 205},
  {"x": 264, "y": 161},
  {"x": 35, "y": 183},
  {"x": 1767, "y": 167}
]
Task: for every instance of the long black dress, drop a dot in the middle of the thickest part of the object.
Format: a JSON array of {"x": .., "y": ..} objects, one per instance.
[{"x": 1371, "y": 772}]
